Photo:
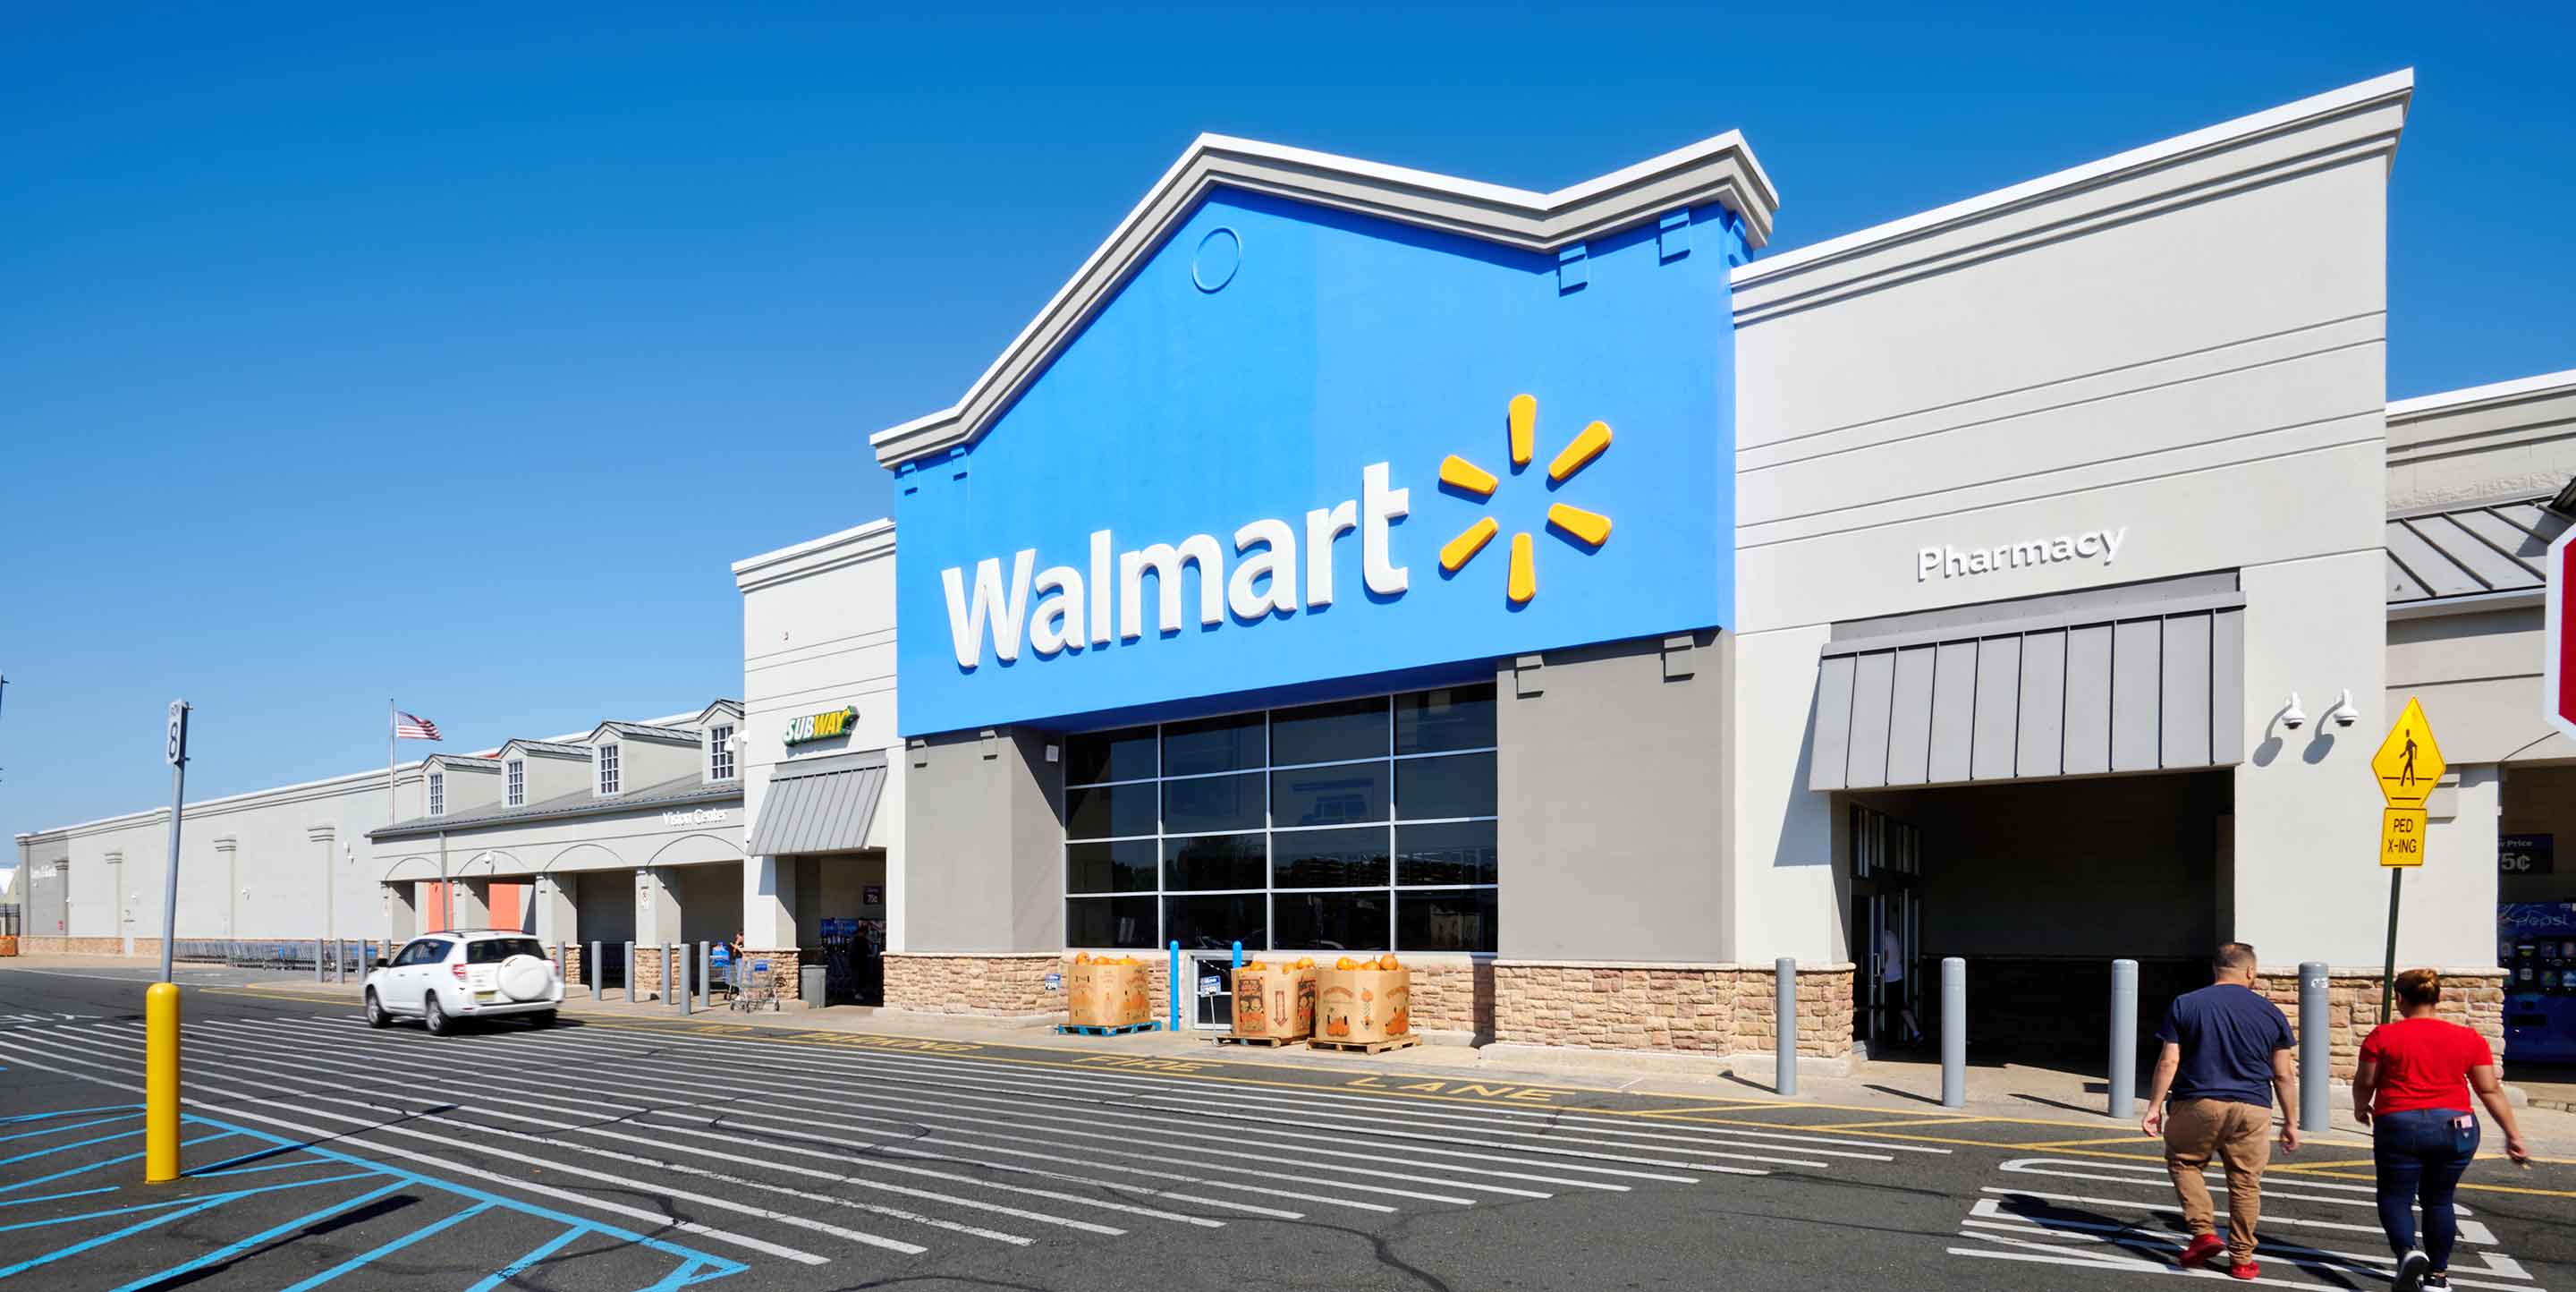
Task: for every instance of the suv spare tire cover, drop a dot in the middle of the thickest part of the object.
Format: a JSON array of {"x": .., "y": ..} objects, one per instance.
[{"x": 525, "y": 977}]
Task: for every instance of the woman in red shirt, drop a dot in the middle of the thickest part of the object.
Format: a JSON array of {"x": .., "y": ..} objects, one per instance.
[{"x": 2412, "y": 1090}]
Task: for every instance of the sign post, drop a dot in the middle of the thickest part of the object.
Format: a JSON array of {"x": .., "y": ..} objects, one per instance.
[
  {"x": 161, "y": 999},
  {"x": 2408, "y": 765}
]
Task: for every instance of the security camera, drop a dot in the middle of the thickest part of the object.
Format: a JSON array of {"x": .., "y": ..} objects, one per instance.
[
  {"x": 2292, "y": 716},
  {"x": 2343, "y": 713}
]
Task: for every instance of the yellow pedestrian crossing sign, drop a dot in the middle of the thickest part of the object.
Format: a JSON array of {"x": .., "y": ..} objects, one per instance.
[
  {"x": 2408, "y": 763},
  {"x": 2401, "y": 837}
]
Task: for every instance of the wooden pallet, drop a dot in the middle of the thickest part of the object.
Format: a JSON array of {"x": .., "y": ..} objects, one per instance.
[
  {"x": 1367, "y": 1047},
  {"x": 1089, "y": 1029},
  {"x": 1229, "y": 1038}
]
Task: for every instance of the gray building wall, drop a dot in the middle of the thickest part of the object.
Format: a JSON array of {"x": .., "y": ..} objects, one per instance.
[
  {"x": 1612, "y": 782},
  {"x": 44, "y": 880},
  {"x": 984, "y": 835}
]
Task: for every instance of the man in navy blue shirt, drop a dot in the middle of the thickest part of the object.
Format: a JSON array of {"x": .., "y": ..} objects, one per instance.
[{"x": 2226, "y": 1051}]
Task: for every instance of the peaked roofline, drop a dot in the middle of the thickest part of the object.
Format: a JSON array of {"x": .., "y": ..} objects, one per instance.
[{"x": 1718, "y": 169}]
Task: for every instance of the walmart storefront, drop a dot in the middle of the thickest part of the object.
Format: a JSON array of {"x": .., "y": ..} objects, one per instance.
[
  {"x": 1554, "y": 589},
  {"x": 1338, "y": 565}
]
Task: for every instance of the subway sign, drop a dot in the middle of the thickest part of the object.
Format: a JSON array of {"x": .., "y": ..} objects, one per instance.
[{"x": 821, "y": 726}]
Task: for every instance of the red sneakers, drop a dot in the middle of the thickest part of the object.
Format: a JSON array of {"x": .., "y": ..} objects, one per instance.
[
  {"x": 2248, "y": 1270},
  {"x": 2203, "y": 1249}
]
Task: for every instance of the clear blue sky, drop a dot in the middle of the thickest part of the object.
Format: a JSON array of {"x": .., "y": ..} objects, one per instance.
[{"x": 454, "y": 355}]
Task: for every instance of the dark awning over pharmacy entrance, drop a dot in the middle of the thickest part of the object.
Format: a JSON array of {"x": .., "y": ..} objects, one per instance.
[
  {"x": 2138, "y": 679},
  {"x": 819, "y": 805}
]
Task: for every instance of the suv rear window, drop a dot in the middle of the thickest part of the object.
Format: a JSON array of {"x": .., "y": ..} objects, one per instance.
[{"x": 492, "y": 951}]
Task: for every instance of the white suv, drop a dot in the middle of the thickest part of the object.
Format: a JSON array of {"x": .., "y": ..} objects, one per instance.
[{"x": 444, "y": 977}]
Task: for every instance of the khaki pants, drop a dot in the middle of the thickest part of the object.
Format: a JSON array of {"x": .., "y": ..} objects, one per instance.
[{"x": 2240, "y": 1136}]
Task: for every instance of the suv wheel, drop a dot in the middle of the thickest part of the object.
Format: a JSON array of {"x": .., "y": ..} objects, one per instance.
[
  {"x": 376, "y": 1015},
  {"x": 435, "y": 1018},
  {"x": 542, "y": 1019}
]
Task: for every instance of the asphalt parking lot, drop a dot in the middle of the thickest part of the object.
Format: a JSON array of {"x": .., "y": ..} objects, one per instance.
[{"x": 635, "y": 1154}]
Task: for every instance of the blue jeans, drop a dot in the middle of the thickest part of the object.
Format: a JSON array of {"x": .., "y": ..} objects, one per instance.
[{"x": 2419, "y": 1153}]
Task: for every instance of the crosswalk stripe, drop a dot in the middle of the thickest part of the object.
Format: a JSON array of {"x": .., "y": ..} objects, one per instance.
[{"x": 223, "y": 1106}]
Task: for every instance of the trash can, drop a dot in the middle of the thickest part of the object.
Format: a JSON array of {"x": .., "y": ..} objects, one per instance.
[{"x": 811, "y": 989}]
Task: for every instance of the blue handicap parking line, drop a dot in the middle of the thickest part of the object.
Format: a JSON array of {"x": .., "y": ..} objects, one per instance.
[
  {"x": 57, "y": 1130},
  {"x": 72, "y": 1112},
  {"x": 88, "y": 1167},
  {"x": 279, "y": 1153},
  {"x": 232, "y": 1249},
  {"x": 185, "y": 1207},
  {"x": 369, "y": 1258},
  {"x": 695, "y": 1266}
]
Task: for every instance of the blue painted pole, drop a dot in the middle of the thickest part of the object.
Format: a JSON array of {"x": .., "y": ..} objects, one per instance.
[
  {"x": 1175, "y": 992},
  {"x": 1238, "y": 953}
]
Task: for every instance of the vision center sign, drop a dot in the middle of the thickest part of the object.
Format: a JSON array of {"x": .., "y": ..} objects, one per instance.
[{"x": 1369, "y": 461}]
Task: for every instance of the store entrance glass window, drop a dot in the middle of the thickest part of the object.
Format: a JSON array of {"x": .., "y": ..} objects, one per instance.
[{"x": 1359, "y": 825}]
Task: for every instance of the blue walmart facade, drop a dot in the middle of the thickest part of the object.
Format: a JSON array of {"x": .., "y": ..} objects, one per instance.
[
  {"x": 1265, "y": 355},
  {"x": 1224, "y": 598}
]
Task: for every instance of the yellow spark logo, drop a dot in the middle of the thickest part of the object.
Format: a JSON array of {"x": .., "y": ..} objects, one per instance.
[{"x": 1585, "y": 529}]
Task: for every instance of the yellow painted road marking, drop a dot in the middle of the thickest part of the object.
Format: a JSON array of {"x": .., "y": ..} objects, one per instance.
[{"x": 2464, "y": 1184}]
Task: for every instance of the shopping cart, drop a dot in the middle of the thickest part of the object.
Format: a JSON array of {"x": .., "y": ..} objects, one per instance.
[{"x": 752, "y": 985}]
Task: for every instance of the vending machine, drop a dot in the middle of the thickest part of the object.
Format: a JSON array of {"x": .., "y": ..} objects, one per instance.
[{"x": 2536, "y": 944}]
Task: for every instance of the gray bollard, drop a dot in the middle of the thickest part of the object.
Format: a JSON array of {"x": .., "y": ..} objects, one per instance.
[
  {"x": 2316, "y": 1066},
  {"x": 688, "y": 1002},
  {"x": 590, "y": 970},
  {"x": 2124, "y": 1038},
  {"x": 674, "y": 983},
  {"x": 630, "y": 971},
  {"x": 1954, "y": 1032},
  {"x": 321, "y": 971},
  {"x": 1784, "y": 1041},
  {"x": 706, "y": 975}
]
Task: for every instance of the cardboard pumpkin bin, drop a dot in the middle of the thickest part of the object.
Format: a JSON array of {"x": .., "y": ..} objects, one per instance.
[
  {"x": 1106, "y": 992},
  {"x": 1358, "y": 1002},
  {"x": 1275, "y": 1002}
]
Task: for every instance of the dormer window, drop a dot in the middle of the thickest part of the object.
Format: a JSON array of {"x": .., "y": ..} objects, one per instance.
[
  {"x": 438, "y": 793},
  {"x": 720, "y": 753},
  {"x": 608, "y": 769},
  {"x": 515, "y": 772}
]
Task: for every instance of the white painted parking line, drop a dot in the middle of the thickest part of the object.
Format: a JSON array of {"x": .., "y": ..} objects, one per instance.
[
  {"x": 2156, "y": 1177},
  {"x": 229, "y": 1104},
  {"x": 685, "y": 1169},
  {"x": 1418, "y": 1143},
  {"x": 1990, "y": 1213},
  {"x": 949, "y": 1090},
  {"x": 2470, "y": 1231},
  {"x": 634, "y": 1088},
  {"x": 199, "y": 1041},
  {"x": 1169, "y": 1127}
]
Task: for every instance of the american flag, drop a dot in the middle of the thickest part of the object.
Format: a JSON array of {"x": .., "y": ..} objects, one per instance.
[{"x": 411, "y": 727}]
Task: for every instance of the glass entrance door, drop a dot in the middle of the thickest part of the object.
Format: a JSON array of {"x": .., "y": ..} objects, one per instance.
[{"x": 1886, "y": 927}]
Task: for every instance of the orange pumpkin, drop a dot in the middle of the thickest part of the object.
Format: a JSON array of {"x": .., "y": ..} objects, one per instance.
[{"x": 1388, "y": 961}]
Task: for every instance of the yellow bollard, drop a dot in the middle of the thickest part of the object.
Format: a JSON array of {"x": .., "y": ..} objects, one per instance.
[{"x": 161, "y": 1083}]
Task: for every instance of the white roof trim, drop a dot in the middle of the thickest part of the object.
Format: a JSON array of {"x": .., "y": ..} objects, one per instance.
[
  {"x": 2496, "y": 392},
  {"x": 2398, "y": 85},
  {"x": 873, "y": 538},
  {"x": 1719, "y": 169}
]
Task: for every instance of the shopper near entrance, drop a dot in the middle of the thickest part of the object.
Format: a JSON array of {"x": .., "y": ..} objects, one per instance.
[
  {"x": 2412, "y": 1090},
  {"x": 2226, "y": 1053}
]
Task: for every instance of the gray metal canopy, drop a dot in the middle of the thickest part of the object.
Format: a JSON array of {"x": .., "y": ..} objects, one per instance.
[
  {"x": 819, "y": 805},
  {"x": 2137, "y": 679}
]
